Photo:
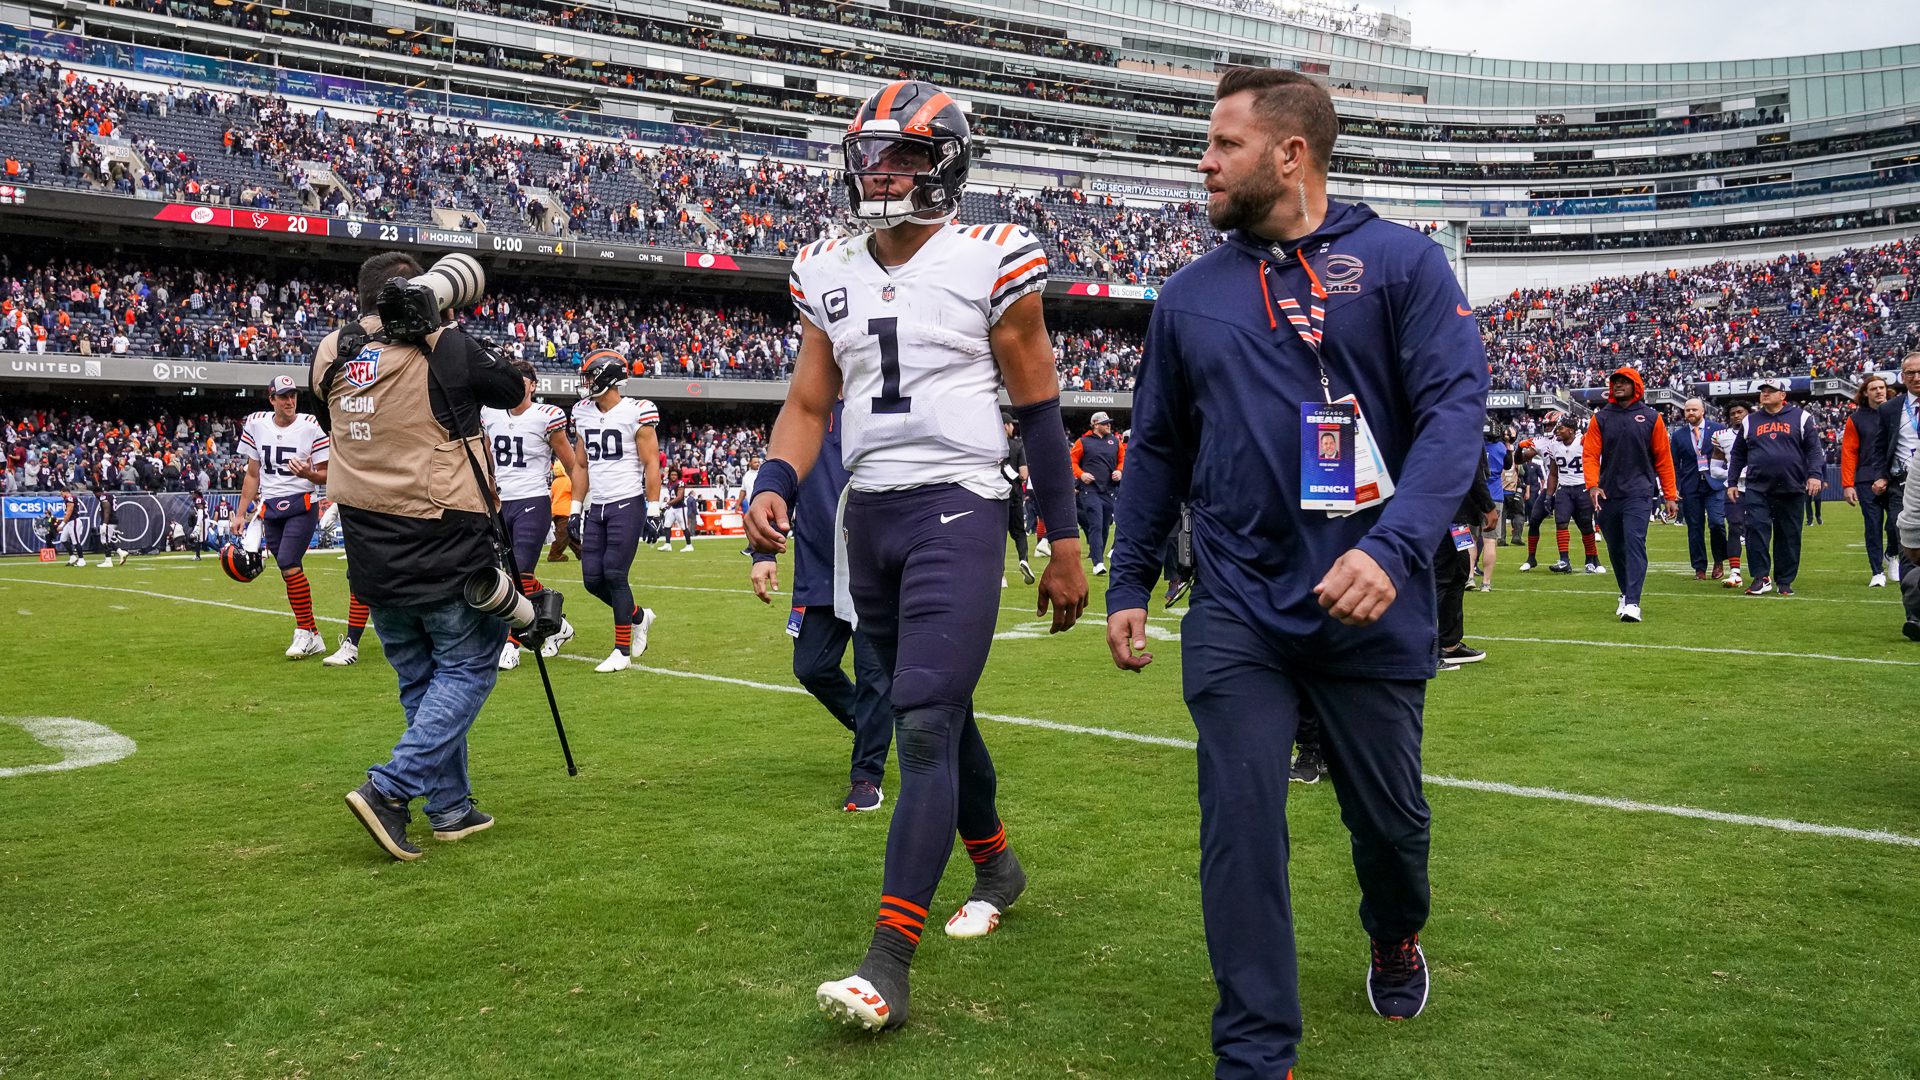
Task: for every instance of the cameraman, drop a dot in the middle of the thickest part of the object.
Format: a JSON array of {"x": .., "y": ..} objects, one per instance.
[{"x": 416, "y": 524}]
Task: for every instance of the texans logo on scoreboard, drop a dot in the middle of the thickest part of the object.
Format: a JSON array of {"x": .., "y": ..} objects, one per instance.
[{"x": 360, "y": 370}]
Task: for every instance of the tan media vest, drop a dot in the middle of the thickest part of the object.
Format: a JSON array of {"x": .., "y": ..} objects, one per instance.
[{"x": 390, "y": 455}]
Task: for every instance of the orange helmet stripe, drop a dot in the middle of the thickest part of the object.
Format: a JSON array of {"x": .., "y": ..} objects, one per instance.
[
  {"x": 885, "y": 104},
  {"x": 925, "y": 115}
]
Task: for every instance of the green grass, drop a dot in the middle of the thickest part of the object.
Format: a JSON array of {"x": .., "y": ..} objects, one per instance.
[{"x": 207, "y": 907}]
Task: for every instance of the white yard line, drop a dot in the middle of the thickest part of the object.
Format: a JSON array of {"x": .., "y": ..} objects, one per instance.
[{"x": 1487, "y": 786}]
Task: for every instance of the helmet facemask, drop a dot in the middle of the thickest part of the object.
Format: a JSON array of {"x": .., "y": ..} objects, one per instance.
[{"x": 878, "y": 159}]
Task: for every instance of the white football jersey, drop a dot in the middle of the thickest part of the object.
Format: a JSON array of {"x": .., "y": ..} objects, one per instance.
[
  {"x": 921, "y": 387},
  {"x": 1564, "y": 459},
  {"x": 1723, "y": 442},
  {"x": 615, "y": 472},
  {"x": 522, "y": 456},
  {"x": 273, "y": 446}
]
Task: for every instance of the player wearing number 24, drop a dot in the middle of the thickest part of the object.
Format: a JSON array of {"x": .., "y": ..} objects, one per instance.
[{"x": 918, "y": 322}]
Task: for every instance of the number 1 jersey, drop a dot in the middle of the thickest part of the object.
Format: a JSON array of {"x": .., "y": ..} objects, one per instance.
[{"x": 921, "y": 386}]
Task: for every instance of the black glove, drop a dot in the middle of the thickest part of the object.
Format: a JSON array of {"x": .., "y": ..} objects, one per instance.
[{"x": 573, "y": 528}]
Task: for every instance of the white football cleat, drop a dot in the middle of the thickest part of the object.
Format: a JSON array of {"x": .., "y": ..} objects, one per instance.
[
  {"x": 616, "y": 661},
  {"x": 687, "y": 548},
  {"x": 1629, "y": 612},
  {"x": 640, "y": 631},
  {"x": 1620, "y": 607},
  {"x": 550, "y": 648},
  {"x": 106, "y": 562},
  {"x": 853, "y": 1000},
  {"x": 1003, "y": 581},
  {"x": 346, "y": 654},
  {"x": 1099, "y": 569},
  {"x": 1026, "y": 572},
  {"x": 664, "y": 545},
  {"x": 1879, "y": 582},
  {"x": 509, "y": 657},
  {"x": 976, "y": 918},
  {"x": 306, "y": 643},
  {"x": 1044, "y": 548},
  {"x": 1733, "y": 580}
]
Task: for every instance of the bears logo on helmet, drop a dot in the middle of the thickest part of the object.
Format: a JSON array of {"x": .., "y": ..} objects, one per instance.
[
  {"x": 240, "y": 564},
  {"x": 909, "y": 129},
  {"x": 602, "y": 370}
]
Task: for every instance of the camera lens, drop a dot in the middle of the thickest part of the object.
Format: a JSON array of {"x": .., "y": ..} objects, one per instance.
[{"x": 491, "y": 592}]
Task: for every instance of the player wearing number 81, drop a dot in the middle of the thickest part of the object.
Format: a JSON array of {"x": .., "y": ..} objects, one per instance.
[
  {"x": 619, "y": 482},
  {"x": 917, "y": 323},
  {"x": 526, "y": 441}
]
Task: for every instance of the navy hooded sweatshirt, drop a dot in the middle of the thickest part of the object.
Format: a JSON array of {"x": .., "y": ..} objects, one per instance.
[
  {"x": 1216, "y": 423},
  {"x": 812, "y": 517}
]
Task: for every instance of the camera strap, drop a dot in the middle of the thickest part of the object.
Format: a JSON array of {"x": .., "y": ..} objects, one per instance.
[{"x": 501, "y": 537}]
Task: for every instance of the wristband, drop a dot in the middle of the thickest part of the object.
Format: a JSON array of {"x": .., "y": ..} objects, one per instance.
[
  {"x": 653, "y": 508},
  {"x": 573, "y": 508},
  {"x": 1050, "y": 472},
  {"x": 778, "y": 477}
]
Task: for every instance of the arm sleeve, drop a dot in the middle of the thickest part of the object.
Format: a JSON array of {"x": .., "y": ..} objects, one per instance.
[
  {"x": 1165, "y": 438},
  {"x": 1849, "y": 453},
  {"x": 1663, "y": 458},
  {"x": 1737, "y": 457},
  {"x": 1590, "y": 452}
]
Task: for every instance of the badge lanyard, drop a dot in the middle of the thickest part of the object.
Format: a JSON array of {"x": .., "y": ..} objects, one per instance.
[{"x": 1311, "y": 326}]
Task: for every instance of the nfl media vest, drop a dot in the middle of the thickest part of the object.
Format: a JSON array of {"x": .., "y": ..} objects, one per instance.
[{"x": 390, "y": 454}]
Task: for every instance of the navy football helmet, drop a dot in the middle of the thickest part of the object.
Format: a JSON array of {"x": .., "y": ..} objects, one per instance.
[
  {"x": 910, "y": 129},
  {"x": 240, "y": 564},
  {"x": 602, "y": 370}
]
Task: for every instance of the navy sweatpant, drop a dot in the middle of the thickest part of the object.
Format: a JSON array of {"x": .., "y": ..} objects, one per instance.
[
  {"x": 1096, "y": 520},
  {"x": 1247, "y": 702},
  {"x": 1883, "y": 538},
  {"x": 925, "y": 569},
  {"x": 1773, "y": 533},
  {"x": 608, "y": 538},
  {"x": 1623, "y": 523},
  {"x": 860, "y": 703}
]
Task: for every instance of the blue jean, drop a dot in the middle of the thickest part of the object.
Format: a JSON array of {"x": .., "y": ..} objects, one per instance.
[{"x": 447, "y": 656}]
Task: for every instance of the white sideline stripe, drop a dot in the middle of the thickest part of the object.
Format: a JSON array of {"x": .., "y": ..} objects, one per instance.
[
  {"x": 1701, "y": 649},
  {"x": 1892, "y": 597},
  {"x": 1783, "y": 824},
  {"x": 1492, "y": 787}
]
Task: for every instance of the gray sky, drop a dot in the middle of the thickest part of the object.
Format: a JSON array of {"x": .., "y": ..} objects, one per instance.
[{"x": 1657, "y": 30}]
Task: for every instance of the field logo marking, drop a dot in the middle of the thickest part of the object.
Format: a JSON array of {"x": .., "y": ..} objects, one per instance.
[{"x": 80, "y": 742}]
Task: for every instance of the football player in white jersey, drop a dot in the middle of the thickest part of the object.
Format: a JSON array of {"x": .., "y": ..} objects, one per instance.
[
  {"x": 286, "y": 452},
  {"x": 1719, "y": 465},
  {"x": 527, "y": 441},
  {"x": 1567, "y": 487},
  {"x": 917, "y": 323},
  {"x": 619, "y": 481}
]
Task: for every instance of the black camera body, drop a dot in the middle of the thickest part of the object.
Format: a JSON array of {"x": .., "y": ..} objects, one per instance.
[{"x": 410, "y": 307}]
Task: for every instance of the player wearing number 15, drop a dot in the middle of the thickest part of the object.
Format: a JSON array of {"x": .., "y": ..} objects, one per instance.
[
  {"x": 619, "y": 481},
  {"x": 917, "y": 323},
  {"x": 527, "y": 440},
  {"x": 286, "y": 452}
]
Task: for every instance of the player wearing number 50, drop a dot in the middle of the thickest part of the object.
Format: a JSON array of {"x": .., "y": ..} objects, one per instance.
[
  {"x": 1298, "y": 610},
  {"x": 619, "y": 482},
  {"x": 286, "y": 452},
  {"x": 917, "y": 323}
]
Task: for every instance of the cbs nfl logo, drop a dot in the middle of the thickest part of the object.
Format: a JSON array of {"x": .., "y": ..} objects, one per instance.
[{"x": 360, "y": 370}]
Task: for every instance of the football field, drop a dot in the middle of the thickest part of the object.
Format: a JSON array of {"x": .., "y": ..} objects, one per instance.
[{"x": 1688, "y": 848}]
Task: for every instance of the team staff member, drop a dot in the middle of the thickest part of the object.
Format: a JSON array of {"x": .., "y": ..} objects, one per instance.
[
  {"x": 1296, "y": 609},
  {"x": 1861, "y": 464},
  {"x": 1733, "y": 483},
  {"x": 1098, "y": 458},
  {"x": 1900, "y": 439},
  {"x": 1452, "y": 566},
  {"x": 820, "y": 636},
  {"x": 1702, "y": 493},
  {"x": 1909, "y": 525},
  {"x": 1493, "y": 537},
  {"x": 415, "y": 522},
  {"x": 560, "y": 493},
  {"x": 1625, "y": 450},
  {"x": 1017, "y": 474},
  {"x": 1779, "y": 447}
]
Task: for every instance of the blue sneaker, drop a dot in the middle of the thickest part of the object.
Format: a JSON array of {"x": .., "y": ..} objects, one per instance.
[
  {"x": 1397, "y": 979},
  {"x": 862, "y": 796}
]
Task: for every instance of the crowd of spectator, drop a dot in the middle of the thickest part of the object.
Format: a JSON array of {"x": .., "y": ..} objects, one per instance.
[
  {"x": 55, "y": 448},
  {"x": 1837, "y": 315}
]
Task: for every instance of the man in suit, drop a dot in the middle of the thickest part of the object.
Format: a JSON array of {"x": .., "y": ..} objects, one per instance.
[
  {"x": 1898, "y": 452},
  {"x": 1702, "y": 497}
]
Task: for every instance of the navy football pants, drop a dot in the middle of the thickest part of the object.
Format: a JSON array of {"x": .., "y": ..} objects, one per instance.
[
  {"x": 527, "y": 523},
  {"x": 288, "y": 538},
  {"x": 1247, "y": 703},
  {"x": 1623, "y": 524},
  {"x": 608, "y": 538},
  {"x": 860, "y": 703},
  {"x": 925, "y": 567}
]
